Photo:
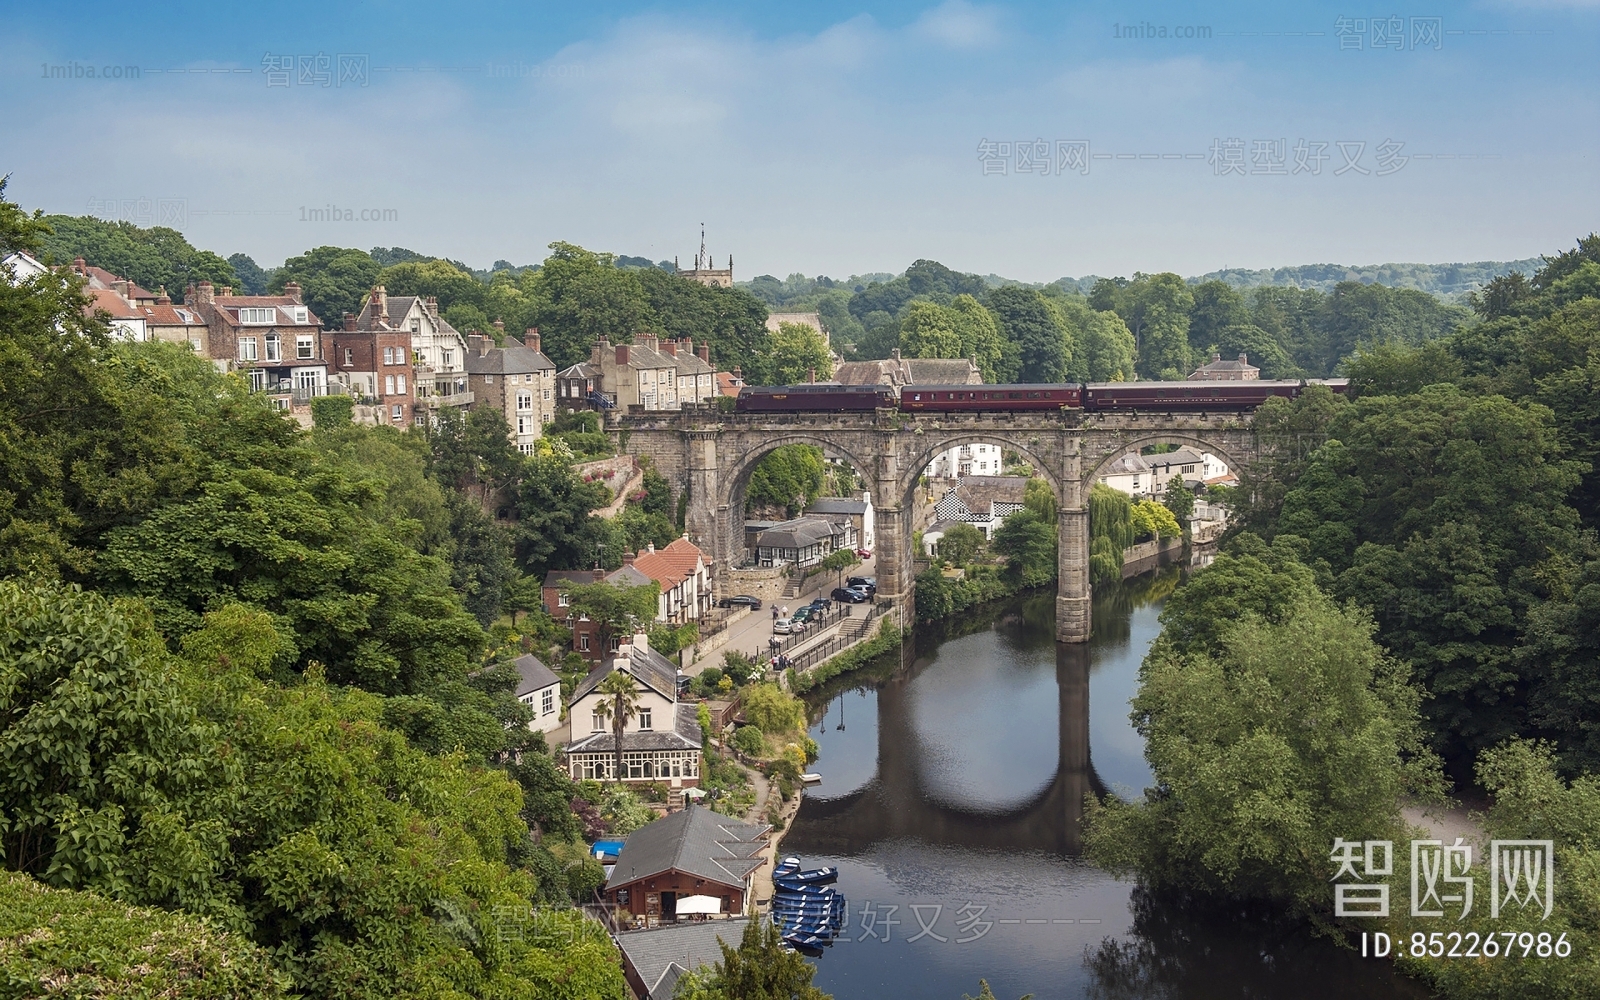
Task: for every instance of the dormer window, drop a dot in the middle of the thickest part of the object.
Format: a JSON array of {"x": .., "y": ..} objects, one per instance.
[
  {"x": 301, "y": 316},
  {"x": 258, "y": 315}
]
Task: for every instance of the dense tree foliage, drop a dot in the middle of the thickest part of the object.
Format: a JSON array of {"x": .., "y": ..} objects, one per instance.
[
  {"x": 153, "y": 258},
  {"x": 788, "y": 478},
  {"x": 333, "y": 281}
]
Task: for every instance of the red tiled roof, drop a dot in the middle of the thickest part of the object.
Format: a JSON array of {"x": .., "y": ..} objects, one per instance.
[
  {"x": 726, "y": 384},
  {"x": 109, "y": 301},
  {"x": 99, "y": 277},
  {"x": 672, "y": 565}
]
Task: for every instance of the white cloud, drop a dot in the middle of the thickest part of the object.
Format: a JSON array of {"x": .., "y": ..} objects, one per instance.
[{"x": 957, "y": 24}]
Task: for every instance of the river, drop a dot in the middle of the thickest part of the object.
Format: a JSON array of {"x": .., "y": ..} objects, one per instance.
[{"x": 953, "y": 778}]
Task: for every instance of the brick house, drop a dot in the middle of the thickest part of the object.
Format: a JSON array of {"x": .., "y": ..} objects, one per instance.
[
  {"x": 695, "y": 852},
  {"x": 273, "y": 340}
]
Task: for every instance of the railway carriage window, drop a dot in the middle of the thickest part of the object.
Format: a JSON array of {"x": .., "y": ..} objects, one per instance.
[
  {"x": 1013, "y": 395},
  {"x": 1033, "y": 395},
  {"x": 916, "y": 397}
]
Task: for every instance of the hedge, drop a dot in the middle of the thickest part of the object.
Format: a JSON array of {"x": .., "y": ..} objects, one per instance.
[{"x": 889, "y": 637}]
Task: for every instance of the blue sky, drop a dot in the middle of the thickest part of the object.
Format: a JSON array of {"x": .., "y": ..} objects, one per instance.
[{"x": 823, "y": 138}]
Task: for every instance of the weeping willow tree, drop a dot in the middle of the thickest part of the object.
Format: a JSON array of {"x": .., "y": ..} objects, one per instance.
[{"x": 1110, "y": 531}]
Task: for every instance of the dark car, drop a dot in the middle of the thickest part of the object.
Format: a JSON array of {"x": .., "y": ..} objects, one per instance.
[
  {"x": 741, "y": 601},
  {"x": 869, "y": 583},
  {"x": 850, "y": 596},
  {"x": 805, "y": 614}
]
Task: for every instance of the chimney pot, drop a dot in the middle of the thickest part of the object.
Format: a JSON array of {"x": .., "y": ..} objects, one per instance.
[
  {"x": 500, "y": 324},
  {"x": 669, "y": 348},
  {"x": 226, "y": 290}
]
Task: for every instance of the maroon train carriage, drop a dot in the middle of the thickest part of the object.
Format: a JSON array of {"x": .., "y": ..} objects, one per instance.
[
  {"x": 1196, "y": 395},
  {"x": 814, "y": 398},
  {"x": 954, "y": 398}
]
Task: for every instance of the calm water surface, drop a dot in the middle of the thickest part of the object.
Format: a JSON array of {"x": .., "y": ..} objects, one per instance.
[{"x": 951, "y": 795}]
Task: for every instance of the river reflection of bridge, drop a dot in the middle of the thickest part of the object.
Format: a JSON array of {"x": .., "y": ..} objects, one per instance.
[{"x": 899, "y": 802}]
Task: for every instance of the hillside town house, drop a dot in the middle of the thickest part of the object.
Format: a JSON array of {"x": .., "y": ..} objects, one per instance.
[
  {"x": 273, "y": 340},
  {"x": 371, "y": 354},
  {"x": 517, "y": 380},
  {"x": 681, "y": 571},
  {"x": 539, "y": 688},
  {"x": 660, "y": 742},
  {"x": 654, "y": 374}
]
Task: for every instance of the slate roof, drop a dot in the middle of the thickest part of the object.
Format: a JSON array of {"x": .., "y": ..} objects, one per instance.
[
  {"x": 837, "y": 505},
  {"x": 1230, "y": 369},
  {"x": 228, "y": 306},
  {"x": 534, "y": 674},
  {"x": 800, "y": 533},
  {"x": 662, "y": 955},
  {"x": 1183, "y": 456},
  {"x": 695, "y": 841},
  {"x": 1132, "y": 463},
  {"x": 515, "y": 357},
  {"x": 889, "y": 371},
  {"x": 557, "y": 577},
  {"x": 943, "y": 371},
  {"x": 647, "y": 666}
]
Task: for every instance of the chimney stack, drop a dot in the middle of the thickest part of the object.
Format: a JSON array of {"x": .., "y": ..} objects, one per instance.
[
  {"x": 1242, "y": 359},
  {"x": 476, "y": 345},
  {"x": 705, "y": 353},
  {"x": 627, "y": 559},
  {"x": 120, "y": 286},
  {"x": 227, "y": 290},
  {"x": 349, "y": 322},
  {"x": 81, "y": 266},
  {"x": 162, "y": 298},
  {"x": 380, "y": 303},
  {"x": 811, "y": 375},
  {"x": 291, "y": 289},
  {"x": 669, "y": 348},
  {"x": 738, "y": 374},
  {"x": 622, "y": 354},
  {"x": 433, "y": 306},
  {"x": 205, "y": 295},
  {"x": 599, "y": 574},
  {"x": 532, "y": 339},
  {"x": 500, "y": 330}
]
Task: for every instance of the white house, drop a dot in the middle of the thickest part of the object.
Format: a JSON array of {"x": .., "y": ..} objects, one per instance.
[
  {"x": 1129, "y": 474},
  {"x": 1186, "y": 464},
  {"x": 974, "y": 459},
  {"x": 22, "y": 266},
  {"x": 859, "y": 512},
  {"x": 684, "y": 574},
  {"x": 540, "y": 689},
  {"x": 982, "y": 501},
  {"x": 660, "y": 742}
]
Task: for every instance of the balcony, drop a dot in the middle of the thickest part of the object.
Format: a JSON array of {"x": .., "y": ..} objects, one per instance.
[{"x": 433, "y": 400}]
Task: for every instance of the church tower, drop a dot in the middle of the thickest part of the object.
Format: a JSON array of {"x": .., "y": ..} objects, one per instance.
[{"x": 704, "y": 270}]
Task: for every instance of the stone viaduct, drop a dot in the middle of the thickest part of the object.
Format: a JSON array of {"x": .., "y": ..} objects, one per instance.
[{"x": 711, "y": 454}]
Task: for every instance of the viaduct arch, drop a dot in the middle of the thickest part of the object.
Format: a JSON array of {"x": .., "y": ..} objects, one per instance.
[{"x": 711, "y": 454}]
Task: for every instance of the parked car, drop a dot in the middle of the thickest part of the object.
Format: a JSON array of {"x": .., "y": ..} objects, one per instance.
[
  {"x": 821, "y": 605},
  {"x": 864, "y": 553},
  {"x": 784, "y": 626},
  {"x": 741, "y": 601},
  {"x": 850, "y": 596},
  {"x": 870, "y": 583},
  {"x": 804, "y": 615}
]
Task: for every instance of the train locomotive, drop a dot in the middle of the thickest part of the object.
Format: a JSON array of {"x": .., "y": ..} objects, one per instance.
[{"x": 1165, "y": 397}]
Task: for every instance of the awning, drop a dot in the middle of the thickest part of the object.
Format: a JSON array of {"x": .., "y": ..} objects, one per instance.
[{"x": 699, "y": 904}]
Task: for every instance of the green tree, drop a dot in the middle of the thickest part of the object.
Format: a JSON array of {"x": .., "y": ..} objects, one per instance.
[
  {"x": 333, "y": 281},
  {"x": 1029, "y": 546},
  {"x": 790, "y": 477},
  {"x": 731, "y": 320},
  {"x": 775, "y": 710},
  {"x": 578, "y": 297},
  {"x": 797, "y": 351},
  {"x": 1179, "y": 499},
  {"x": 1025, "y": 318},
  {"x": 1156, "y": 308},
  {"x": 1217, "y": 306},
  {"x": 961, "y": 544},
  {"x": 1288, "y": 736},
  {"x": 1106, "y": 350},
  {"x": 619, "y": 703},
  {"x": 760, "y": 968},
  {"x": 615, "y": 610},
  {"x": 153, "y": 258},
  {"x": 440, "y": 279}
]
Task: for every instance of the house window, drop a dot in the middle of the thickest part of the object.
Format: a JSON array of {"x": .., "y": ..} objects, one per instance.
[
  {"x": 301, "y": 316},
  {"x": 258, "y": 380},
  {"x": 644, "y": 718},
  {"x": 515, "y": 378},
  {"x": 397, "y": 413},
  {"x": 388, "y": 356},
  {"x": 247, "y": 348},
  {"x": 449, "y": 357},
  {"x": 548, "y": 702},
  {"x": 308, "y": 383},
  {"x": 488, "y": 380},
  {"x": 524, "y": 401},
  {"x": 400, "y": 384},
  {"x": 599, "y": 722},
  {"x": 416, "y": 326},
  {"x": 583, "y": 643},
  {"x": 524, "y": 424},
  {"x": 563, "y": 600},
  {"x": 305, "y": 346},
  {"x": 258, "y": 315},
  {"x": 616, "y": 642},
  {"x": 526, "y": 447},
  {"x": 274, "y": 347},
  {"x": 547, "y": 395},
  {"x": 388, "y": 385},
  {"x": 349, "y": 357}
]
